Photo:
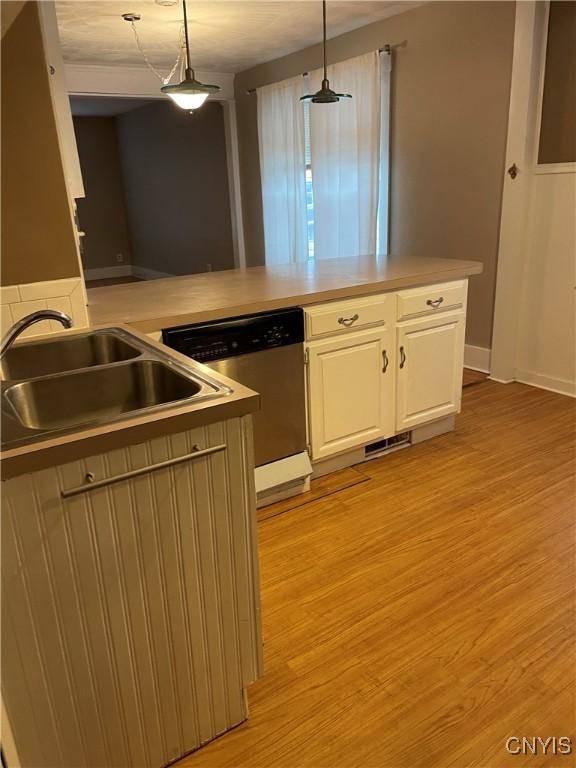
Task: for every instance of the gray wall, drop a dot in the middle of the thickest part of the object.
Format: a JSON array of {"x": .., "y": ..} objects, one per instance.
[
  {"x": 450, "y": 97},
  {"x": 102, "y": 213},
  {"x": 176, "y": 183}
]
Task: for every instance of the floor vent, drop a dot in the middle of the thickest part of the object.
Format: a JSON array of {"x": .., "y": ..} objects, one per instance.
[{"x": 388, "y": 445}]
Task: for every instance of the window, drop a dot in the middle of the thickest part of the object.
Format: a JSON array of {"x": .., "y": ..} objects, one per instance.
[
  {"x": 309, "y": 187},
  {"x": 324, "y": 168}
]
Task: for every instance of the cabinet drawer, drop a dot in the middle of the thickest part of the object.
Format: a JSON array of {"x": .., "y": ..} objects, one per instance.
[
  {"x": 431, "y": 299},
  {"x": 350, "y": 315}
]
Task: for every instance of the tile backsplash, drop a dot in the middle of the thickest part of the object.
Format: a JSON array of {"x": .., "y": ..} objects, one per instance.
[{"x": 17, "y": 301}]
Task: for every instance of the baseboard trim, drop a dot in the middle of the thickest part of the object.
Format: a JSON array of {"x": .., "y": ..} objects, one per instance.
[
  {"x": 560, "y": 386},
  {"x": 148, "y": 274},
  {"x": 477, "y": 358},
  {"x": 104, "y": 273},
  {"x": 124, "y": 270},
  {"x": 501, "y": 381},
  {"x": 433, "y": 429}
]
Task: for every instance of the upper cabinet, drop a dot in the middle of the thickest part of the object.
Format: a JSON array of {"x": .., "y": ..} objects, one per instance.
[
  {"x": 60, "y": 99},
  {"x": 38, "y": 236}
]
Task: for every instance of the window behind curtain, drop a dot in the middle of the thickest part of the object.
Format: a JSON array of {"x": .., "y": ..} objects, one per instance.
[
  {"x": 309, "y": 186},
  {"x": 331, "y": 142}
]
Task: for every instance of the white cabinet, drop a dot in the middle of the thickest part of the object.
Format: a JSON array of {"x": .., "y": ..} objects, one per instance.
[
  {"x": 380, "y": 365},
  {"x": 350, "y": 391},
  {"x": 429, "y": 369},
  {"x": 130, "y": 609}
]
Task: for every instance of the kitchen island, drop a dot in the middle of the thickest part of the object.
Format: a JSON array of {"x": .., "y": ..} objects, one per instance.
[
  {"x": 396, "y": 324},
  {"x": 153, "y": 305},
  {"x": 130, "y": 611}
]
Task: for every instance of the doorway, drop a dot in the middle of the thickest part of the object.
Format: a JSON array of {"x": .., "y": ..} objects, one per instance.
[{"x": 156, "y": 189}]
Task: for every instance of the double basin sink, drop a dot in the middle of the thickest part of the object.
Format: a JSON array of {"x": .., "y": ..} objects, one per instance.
[{"x": 90, "y": 379}]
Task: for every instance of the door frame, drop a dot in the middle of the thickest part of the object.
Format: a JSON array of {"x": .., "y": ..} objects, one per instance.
[
  {"x": 136, "y": 82},
  {"x": 526, "y": 95}
]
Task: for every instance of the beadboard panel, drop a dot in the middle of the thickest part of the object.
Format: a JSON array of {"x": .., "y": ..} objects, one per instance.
[{"x": 130, "y": 613}]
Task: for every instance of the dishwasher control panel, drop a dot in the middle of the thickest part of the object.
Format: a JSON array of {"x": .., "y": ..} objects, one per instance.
[{"x": 238, "y": 335}]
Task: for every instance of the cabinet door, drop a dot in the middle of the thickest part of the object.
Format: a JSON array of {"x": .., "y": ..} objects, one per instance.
[
  {"x": 429, "y": 364},
  {"x": 130, "y": 613},
  {"x": 350, "y": 391}
]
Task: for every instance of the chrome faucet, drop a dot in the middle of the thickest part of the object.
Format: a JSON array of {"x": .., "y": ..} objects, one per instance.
[{"x": 26, "y": 322}]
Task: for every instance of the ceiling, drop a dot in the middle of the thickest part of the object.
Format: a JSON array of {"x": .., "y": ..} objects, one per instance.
[{"x": 226, "y": 36}]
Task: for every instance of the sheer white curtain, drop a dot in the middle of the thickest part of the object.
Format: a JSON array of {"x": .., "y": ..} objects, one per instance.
[
  {"x": 382, "y": 244},
  {"x": 283, "y": 170},
  {"x": 345, "y": 149}
]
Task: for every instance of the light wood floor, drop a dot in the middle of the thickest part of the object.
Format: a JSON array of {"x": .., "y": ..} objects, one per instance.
[
  {"x": 472, "y": 377},
  {"x": 423, "y": 616}
]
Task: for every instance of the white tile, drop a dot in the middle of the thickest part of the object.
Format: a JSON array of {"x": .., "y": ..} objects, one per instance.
[
  {"x": 24, "y": 308},
  {"x": 6, "y": 321},
  {"x": 48, "y": 289},
  {"x": 9, "y": 294},
  {"x": 61, "y": 304}
]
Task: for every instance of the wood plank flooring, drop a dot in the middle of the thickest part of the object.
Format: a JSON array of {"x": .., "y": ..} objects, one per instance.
[
  {"x": 422, "y": 617},
  {"x": 472, "y": 377}
]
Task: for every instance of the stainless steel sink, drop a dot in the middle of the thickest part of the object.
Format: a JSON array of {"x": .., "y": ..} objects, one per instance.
[
  {"x": 101, "y": 394},
  {"x": 46, "y": 357},
  {"x": 68, "y": 384}
]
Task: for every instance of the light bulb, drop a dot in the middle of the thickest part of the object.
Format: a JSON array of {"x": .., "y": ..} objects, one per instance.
[{"x": 188, "y": 100}]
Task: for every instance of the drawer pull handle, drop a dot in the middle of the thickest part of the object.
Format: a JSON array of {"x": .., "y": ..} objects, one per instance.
[
  {"x": 402, "y": 357},
  {"x": 385, "y": 361},
  {"x": 435, "y": 302},
  {"x": 348, "y": 321},
  {"x": 92, "y": 485}
]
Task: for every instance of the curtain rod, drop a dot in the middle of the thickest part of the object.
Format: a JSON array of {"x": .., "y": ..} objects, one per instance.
[{"x": 385, "y": 49}]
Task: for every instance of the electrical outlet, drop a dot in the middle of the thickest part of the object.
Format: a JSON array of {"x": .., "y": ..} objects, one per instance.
[
  {"x": 208, "y": 267},
  {"x": 120, "y": 258}
]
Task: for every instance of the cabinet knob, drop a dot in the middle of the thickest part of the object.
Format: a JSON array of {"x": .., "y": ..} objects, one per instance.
[{"x": 435, "y": 302}]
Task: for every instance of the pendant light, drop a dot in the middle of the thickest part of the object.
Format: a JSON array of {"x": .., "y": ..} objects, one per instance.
[
  {"x": 190, "y": 93},
  {"x": 325, "y": 95}
]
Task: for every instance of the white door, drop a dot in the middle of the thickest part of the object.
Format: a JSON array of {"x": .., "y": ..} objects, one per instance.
[
  {"x": 350, "y": 391},
  {"x": 429, "y": 369},
  {"x": 534, "y": 335}
]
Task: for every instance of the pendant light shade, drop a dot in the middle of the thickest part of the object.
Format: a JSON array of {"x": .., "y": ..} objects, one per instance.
[
  {"x": 190, "y": 93},
  {"x": 325, "y": 95}
]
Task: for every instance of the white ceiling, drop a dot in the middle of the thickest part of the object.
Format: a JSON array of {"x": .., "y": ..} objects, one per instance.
[{"x": 226, "y": 35}]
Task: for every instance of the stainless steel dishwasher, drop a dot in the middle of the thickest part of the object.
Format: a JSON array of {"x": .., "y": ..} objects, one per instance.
[{"x": 266, "y": 353}]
